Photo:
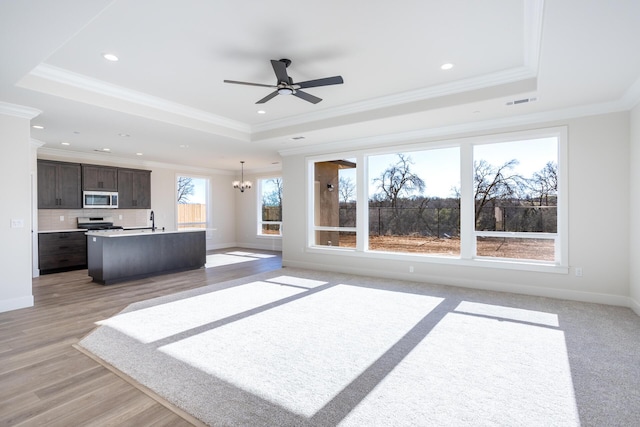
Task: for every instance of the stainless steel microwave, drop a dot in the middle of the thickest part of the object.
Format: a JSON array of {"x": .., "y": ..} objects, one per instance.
[{"x": 100, "y": 199}]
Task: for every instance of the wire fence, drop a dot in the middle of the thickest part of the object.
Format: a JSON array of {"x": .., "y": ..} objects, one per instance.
[{"x": 445, "y": 221}]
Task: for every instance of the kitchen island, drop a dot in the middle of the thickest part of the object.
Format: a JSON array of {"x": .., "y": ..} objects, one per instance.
[{"x": 119, "y": 255}]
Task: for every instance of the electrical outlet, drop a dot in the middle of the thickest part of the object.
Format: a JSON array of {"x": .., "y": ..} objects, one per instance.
[
  {"x": 61, "y": 217},
  {"x": 579, "y": 271}
]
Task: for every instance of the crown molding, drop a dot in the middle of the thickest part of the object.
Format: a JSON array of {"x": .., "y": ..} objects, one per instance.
[
  {"x": 36, "y": 143},
  {"x": 79, "y": 157},
  {"x": 631, "y": 97},
  {"x": 460, "y": 86},
  {"x": 533, "y": 17},
  {"x": 447, "y": 131},
  {"x": 19, "y": 111},
  {"x": 69, "y": 78}
]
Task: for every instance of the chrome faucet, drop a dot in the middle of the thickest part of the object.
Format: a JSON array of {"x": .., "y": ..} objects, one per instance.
[{"x": 153, "y": 222}]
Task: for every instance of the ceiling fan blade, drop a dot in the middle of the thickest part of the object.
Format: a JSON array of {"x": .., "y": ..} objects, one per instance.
[
  {"x": 280, "y": 68},
  {"x": 336, "y": 80},
  {"x": 268, "y": 97},
  {"x": 307, "y": 96},
  {"x": 247, "y": 83}
]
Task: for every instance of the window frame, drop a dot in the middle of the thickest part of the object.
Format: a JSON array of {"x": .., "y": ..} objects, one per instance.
[
  {"x": 259, "y": 221},
  {"x": 312, "y": 228},
  {"x": 208, "y": 200},
  {"x": 468, "y": 234}
]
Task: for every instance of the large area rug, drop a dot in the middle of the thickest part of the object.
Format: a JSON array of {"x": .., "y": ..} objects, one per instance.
[{"x": 296, "y": 347}]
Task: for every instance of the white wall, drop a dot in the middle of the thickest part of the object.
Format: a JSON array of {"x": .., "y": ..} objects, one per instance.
[
  {"x": 15, "y": 187},
  {"x": 634, "y": 218},
  {"x": 598, "y": 188},
  {"x": 246, "y": 211}
]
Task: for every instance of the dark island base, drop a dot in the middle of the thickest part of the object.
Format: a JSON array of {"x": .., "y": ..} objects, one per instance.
[{"x": 123, "y": 258}]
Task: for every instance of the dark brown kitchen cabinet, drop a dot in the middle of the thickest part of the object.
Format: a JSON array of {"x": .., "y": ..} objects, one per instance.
[
  {"x": 59, "y": 185},
  {"x": 62, "y": 251},
  {"x": 134, "y": 189},
  {"x": 99, "y": 178}
]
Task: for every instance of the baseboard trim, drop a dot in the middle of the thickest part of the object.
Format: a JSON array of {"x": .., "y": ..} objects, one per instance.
[
  {"x": 566, "y": 294},
  {"x": 634, "y": 305},
  {"x": 16, "y": 303},
  {"x": 265, "y": 247},
  {"x": 216, "y": 246}
]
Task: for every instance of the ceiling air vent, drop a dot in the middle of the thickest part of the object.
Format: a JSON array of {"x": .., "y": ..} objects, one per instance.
[
  {"x": 521, "y": 101},
  {"x": 297, "y": 138}
]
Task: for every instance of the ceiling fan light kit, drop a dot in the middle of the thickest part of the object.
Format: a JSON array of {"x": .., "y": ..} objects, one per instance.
[{"x": 285, "y": 85}]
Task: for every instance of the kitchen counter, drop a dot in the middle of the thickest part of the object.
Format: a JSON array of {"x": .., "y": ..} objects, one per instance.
[
  {"x": 120, "y": 255},
  {"x": 62, "y": 231},
  {"x": 135, "y": 232}
]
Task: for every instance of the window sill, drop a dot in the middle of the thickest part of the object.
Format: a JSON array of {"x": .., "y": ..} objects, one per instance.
[
  {"x": 500, "y": 264},
  {"x": 269, "y": 236}
]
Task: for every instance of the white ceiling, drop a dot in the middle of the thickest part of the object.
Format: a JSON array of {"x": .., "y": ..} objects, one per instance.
[{"x": 167, "y": 93}]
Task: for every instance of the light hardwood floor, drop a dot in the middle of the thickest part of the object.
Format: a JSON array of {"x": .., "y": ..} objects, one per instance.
[{"x": 45, "y": 381}]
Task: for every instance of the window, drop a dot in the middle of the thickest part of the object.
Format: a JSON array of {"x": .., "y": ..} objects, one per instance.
[
  {"x": 334, "y": 211},
  {"x": 485, "y": 199},
  {"x": 270, "y": 207},
  {"x": 516, "y": 199},
  {"x": 192, "y": 202},
  {"x": 414, "y": 202}
]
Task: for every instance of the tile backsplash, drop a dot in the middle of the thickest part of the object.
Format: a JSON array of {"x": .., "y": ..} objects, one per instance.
[{"x": 50, "y": 219}]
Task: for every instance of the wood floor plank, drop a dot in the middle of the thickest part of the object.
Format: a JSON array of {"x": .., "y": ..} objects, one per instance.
[{"x": 45, "y": 381}]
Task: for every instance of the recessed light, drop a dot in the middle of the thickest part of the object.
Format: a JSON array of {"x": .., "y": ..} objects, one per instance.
[
  {"x": 110, "y": 57},
  {"x": 184, "y": 146},
  {"x": 262, "y": 112},
  {"x": 65, "y": 143},
  {"x": 106, "y": 149},
  {"x": 138, "y": 154},
  {"x": 37, "y": 127},
  {"x": 124, "y": 135},
  {"x": 446, "y": 66}
]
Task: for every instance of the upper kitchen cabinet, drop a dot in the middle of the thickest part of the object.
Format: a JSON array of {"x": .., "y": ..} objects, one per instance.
[
  {"x": 59, "y": 185},
  {"x": 99, "y": 178},
  {"x": 134, "y": 189}
]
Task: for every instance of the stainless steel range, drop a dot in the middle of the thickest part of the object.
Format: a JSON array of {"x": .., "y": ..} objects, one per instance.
[{"x": 97, "y": 223}]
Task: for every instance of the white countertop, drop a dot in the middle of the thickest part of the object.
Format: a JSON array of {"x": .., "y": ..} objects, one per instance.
[
  {"x": 70, "y": 230},
  {"x": 62, "y": 231},
  {"x": 129, "y": 233}
]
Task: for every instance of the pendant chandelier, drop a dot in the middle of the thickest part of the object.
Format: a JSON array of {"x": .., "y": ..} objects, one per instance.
[{"x": 242, "y": 184}]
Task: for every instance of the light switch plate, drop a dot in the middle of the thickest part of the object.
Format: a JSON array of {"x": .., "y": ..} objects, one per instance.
[{"x": 17, "y": 223}]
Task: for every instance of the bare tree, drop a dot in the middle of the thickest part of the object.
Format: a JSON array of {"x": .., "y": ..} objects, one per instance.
[
  {"x": 544, "y": 183},
  {"x": 493, "y": 184},
  {"x": 347, "y": 189},
  {"x": 398, "y": 181},
  {"x": 398, "y": 185},
  {"x": 274, "y": 198},
  {"x": 185, "y": 189}
]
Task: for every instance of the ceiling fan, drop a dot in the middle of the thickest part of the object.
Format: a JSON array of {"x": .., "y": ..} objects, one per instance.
[{"x": 286, "y": 86}]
